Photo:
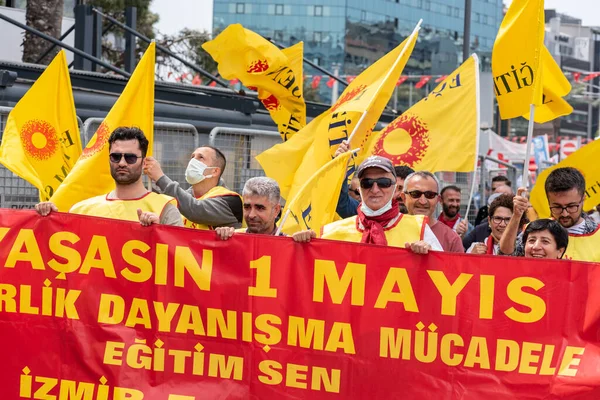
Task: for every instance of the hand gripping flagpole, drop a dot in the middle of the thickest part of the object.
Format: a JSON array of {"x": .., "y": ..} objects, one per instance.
[
  {"x": 387, "y": 76},
  {"x": 287, "y": 213}
]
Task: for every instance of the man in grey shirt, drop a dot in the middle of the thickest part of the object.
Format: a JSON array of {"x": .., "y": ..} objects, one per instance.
[{"x": 206, "y": 204}]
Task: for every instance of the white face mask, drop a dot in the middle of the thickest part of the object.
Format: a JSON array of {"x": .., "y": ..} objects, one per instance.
[
  {"x": 194, "y": 172},
  {"x": 371, "y": 213}
]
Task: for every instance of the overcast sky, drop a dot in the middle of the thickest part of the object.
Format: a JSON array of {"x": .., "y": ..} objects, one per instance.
[{"x": 197, "y": 14}]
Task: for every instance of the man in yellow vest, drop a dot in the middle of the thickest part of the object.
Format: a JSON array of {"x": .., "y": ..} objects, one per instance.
[
  {"x": 130, "y": 201},
  {"x": 206, "y": 204},
  {"x": 565, "y": 190},
  {"x": 379, "y": 220},
  {"x": 262, "y": 198}
]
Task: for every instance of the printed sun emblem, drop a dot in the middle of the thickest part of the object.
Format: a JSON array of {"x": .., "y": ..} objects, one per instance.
[
  {"x": 97, "y": 142},
  {"x": 348, "y": 96},
  {"x": 271, "y": 103},
  {"x": 39, "y": 139},
  {"x": 258, "y": 66},
  {"x": 418, "y": 133}
]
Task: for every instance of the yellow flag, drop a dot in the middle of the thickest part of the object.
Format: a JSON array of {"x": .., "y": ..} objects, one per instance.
[
  {"x": 555, "y": 86},
  {"x": 260, "y": 65},
  {"x": 292, "y": 163},
  {"x": 41, "y": 138},
  {"x": 516, "y": 58},
  {"x": 584, "y": 160},
  {"x": 314, "y": 205},
  {"x": 135, "y": 107},
  {"x": 439, "y": 133}
]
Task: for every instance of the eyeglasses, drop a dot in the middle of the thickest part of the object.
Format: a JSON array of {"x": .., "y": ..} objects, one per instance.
[
  {"x": 416, "y": 194},
  {"x": 384, "y": 183},
  {"x": 571, "y": 208},
  {"x": 129, "y": 157},
  {"x": 355, "y": 191},
  {"x": 500, "y": 220}
]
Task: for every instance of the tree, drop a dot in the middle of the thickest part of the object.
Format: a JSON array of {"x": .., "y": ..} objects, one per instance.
[
  {"x": 45, "y": 16},
  {"x": 187, "y": 44}
]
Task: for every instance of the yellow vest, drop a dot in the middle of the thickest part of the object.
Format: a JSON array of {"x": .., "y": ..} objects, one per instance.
[
  {"x": 584, "y": 247},
  {"x": 217, "y": 191},
  {"x": 408, "y": 228},
  {"x": 101, "y": 206}
]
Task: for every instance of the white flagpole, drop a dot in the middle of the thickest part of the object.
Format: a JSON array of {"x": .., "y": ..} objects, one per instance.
[
  {"x": 525, "y": 179},
  {"x": 477, "y": 133},
  {"x": 387, "y": 76}
]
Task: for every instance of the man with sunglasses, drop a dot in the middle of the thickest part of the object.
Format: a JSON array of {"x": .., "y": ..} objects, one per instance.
[
  {"x": 206, "y": 204},
  {"x": 421, "y": 198},
  {"x": 350, "y": 197},
  {"x": 565, "y": 190},
  {"x": 379, "y": 220},
  {"x": 130, "y": 201}
]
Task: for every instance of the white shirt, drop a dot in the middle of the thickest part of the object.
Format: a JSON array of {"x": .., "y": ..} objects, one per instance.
[{"x": 430, "y": 239}]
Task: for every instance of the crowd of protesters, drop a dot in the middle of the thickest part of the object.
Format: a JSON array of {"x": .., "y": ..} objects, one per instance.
[{"x": 384, "y": 205}]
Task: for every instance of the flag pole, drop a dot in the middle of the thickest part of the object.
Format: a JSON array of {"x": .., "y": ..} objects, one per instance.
[
  {"x": 525, "y": 179},
  {"x": 477, "y": 133},
  {"x": 387, "y": 76}
]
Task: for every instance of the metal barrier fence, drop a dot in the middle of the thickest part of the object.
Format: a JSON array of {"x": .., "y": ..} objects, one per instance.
[
  {"x": 240, "y": 146},
  {"x": 15, "y": 192},
  {"x": 173, "y": 144}
]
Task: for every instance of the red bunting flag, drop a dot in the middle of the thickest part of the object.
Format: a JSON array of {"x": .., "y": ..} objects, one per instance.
[
  {"x": 441, "y": 78},
  {"x": 234, "y": 81},
  {"x": 184, "y": 76},
  {"x": 349, "y": 79},
  {"x": 423, "y": 81},
  {"x": 315, "y": 81},
  {"x": 591, "y": 76},
  {"x": 330, "y": 82},
  {"x": 577, "y": 76},
  {"x": 213, "y": 84},
  {"x": 401, "y": 80},
  {"x": 197, "y": 80}
]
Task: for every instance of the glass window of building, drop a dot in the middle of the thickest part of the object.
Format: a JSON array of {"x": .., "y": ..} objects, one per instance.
[
  {"x": 363, "y": 15},
  {"x": 318, "y": 11},
  {"x": 448, "y": 10},
  {"x": 278, "y": 36},
  {"x": 476, "y": 17},
  {"x": 240, "y": 8},
  {"x": 278, "y": 9},
  {"x": 427, "y": 5},
  {"x": 317, "y": 37},
  {"x": 456, "y": 12}
]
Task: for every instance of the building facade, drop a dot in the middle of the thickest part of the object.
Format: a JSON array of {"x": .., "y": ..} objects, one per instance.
[
  {"x": 352, "y": 34},
  {"x": 577, "y": 50}
]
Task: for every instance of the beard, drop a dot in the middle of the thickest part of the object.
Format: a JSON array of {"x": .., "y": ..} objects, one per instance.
[
  {"x": 131, "y": 176},
  {"x": 450, "y": 211},
  {"x": 403, "y": 208}
]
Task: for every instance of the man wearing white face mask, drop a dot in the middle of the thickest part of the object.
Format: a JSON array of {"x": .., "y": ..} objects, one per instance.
[
  {"x": 379, "y": 220},
  {"x": 205, "y": 205}
]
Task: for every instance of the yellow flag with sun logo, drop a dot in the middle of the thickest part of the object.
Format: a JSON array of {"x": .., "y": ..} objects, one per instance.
[
  {"x": 90, "y": 176},
  {"x": 275, "y": 74},
  {"x": 41, "y": 138},
  {"x": 439, "y": 133}
]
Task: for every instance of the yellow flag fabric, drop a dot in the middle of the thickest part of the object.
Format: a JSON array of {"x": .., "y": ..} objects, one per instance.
[
  {"x": 439, "y": 133},
  {"x": 135, "y": 107},
  {"x": 516, "y": 58},
  {"x": 555, "y": 86},
  {"x": 584, "y": 160},
  {"x": 260, "y": 65},
  {"x": 292, "y": 163},
  {"x": 314, "y": 205},
  {"x": 41, "y": 138}
]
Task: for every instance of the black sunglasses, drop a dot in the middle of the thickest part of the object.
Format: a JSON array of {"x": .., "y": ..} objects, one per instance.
[
  {"x": 367, "y": 183},
  {"x": 355, "y": 191},
  {"x": 129, "y": 158},
  {"x": 416, "y": 194}
]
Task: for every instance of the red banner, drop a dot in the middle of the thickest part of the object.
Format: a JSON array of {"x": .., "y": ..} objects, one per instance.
[{"x": 102, "y": 309}]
